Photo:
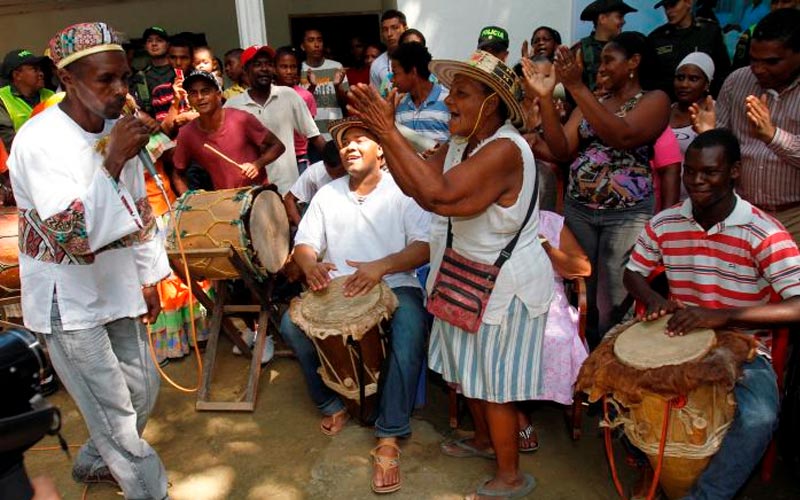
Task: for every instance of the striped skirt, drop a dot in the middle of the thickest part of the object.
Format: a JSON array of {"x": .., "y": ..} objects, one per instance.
[{"x": 499, "y": 363}]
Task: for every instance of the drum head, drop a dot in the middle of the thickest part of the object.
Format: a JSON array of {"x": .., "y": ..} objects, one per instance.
[
  {"x": 269, "y": 231},
  {"x": 329, "y": 312},
  {"x": 644, "y": 345}
]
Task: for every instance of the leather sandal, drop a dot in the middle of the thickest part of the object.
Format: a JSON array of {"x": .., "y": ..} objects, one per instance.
[
  {"x": 386, "y": 464},
  {"x": 528, "y": 440},
  {"x": 338, "y": 421}
]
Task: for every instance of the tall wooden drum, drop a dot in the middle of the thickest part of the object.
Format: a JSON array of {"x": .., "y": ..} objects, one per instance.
[
  {"x": 347, "y": 334},
  {"x": 643, "y": 370},
  {"x": 251, "y": 220}
]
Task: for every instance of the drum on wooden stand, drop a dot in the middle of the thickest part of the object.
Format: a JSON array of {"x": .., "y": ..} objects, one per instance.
[
  {"x": 349, "y": 336},
  {"x": 683, "y": 381},
  {"x": 251, "y": 220},
  {"x": 9, "y": 252}
]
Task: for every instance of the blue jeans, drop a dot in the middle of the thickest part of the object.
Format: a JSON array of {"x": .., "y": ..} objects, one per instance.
[
  {"x": 755, "y": 420},
  {"x": 607, "y": 237},
  {"x": 406, "y": 355},
  {"x": 109, "y": 373}
]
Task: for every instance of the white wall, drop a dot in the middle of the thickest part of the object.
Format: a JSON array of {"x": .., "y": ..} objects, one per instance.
[
  {"x": 452, "y": 26},
  {"x": 216, "y": 18}
]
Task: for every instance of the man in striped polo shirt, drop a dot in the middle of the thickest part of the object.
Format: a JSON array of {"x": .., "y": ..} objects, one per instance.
[
  {"x": 422, "y": 109},
  {"x": 728, "y": 265}
]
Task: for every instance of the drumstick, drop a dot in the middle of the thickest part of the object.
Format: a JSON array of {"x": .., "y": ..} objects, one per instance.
[{"x": 221, "y": 154}]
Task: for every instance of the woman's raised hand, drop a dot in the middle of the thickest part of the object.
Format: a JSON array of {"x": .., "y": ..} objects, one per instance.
[
  {"x": 539, "y": 79},
  {"x": 569, "y": 69},
  {"x": 367, "y": 104}
]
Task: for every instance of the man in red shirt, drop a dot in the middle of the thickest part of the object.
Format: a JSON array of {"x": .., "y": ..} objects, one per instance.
[{"x": 243, "y": 145}]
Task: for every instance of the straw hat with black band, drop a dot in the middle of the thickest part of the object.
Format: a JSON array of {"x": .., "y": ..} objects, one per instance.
[
  {"x": 337, "y": 129},
  {"x": 487, "y": 69}
]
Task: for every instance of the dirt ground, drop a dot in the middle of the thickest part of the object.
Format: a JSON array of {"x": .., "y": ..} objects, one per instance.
[{"x": 277, "y": 452}]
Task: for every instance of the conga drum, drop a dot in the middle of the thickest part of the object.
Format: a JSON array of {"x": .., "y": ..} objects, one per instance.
[
  {"x": 9, "y": 252},
  {"x": 251, "y": 220},
  {"x": 349, "y": 336},
  {"x": 686, "y": 381}
]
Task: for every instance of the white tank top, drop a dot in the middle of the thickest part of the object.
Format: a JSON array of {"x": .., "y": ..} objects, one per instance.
[{"x": 528, "y": 274}]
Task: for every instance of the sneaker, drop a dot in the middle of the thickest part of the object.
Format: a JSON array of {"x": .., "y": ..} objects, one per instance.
[
  {"x": 101, "y": 475},
  {"x": 249, "y": 337},
  {"x": 269, "y": 350}
]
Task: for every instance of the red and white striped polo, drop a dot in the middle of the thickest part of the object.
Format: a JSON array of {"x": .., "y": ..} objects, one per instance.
[{"x": 746, "y": 260}]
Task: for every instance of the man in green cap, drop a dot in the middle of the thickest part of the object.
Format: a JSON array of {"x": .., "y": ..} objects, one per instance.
[
  {"x": 608, "y": 18},
  {"x": 494, "y": 40},
  {"x": 24, "y": 91}
]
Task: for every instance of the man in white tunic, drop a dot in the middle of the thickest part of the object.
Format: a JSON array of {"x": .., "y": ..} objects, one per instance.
[{"x": 89, "y": 259}]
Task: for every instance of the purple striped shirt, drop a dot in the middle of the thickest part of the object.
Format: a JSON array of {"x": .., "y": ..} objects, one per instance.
[{"x": 770, "y": 172}]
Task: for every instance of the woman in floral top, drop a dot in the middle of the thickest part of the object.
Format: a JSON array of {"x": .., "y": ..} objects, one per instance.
[{"x": 609, "y": 145}]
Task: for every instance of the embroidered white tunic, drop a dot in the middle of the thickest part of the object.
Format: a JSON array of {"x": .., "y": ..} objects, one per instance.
[{"x": 83, "y": 236}]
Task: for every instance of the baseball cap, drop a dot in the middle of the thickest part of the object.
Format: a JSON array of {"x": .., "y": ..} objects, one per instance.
[
  {"x": 250, "y": 52},
  {"x": 493, "y": 35},
  {"x": 20, "y": 57},
  {"x": 155, "y": 30},
  {"x": 201, "y": 75}
]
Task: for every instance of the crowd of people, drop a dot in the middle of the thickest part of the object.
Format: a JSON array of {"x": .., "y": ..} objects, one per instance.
[{"x": 610, "y": 159}]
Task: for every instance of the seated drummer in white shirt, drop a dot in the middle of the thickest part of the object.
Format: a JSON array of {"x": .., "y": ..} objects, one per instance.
[
  {"x": 365, "y": 227},
  {"x": 312, "y": 179}
]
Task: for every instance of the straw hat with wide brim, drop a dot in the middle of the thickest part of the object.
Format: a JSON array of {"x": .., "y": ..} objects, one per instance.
[
  {"x": 487, "y": 69},
  {"x": 337, "y": 128}
]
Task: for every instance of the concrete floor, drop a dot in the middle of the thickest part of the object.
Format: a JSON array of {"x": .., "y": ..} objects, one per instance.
[{"x": 277, "y": 452}]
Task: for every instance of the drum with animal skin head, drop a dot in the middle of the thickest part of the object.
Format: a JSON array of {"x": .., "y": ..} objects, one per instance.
[
  {"x": 643, "y": 370},
  {"x": 347, "y": 333},
  {"x": 251, "y": 220}
]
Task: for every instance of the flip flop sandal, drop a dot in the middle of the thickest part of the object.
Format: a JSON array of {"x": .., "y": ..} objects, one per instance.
[
  {"x": 464, "y": 449},
  {"x": 525, "y": 437},
  {"x": 527, "y": 486},
  {"x": 338, "y": 421},
  {"x": 386, "y": 464}
]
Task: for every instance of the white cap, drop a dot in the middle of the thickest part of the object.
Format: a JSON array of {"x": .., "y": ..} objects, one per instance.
[{"x": 702, "y": 61}]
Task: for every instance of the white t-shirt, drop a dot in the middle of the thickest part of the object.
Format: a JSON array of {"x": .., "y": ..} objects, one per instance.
[
  {"x": 283, "y": 112},
  {"x": 337, "y": 226},
  {"x": 310, "y": 181},
  {"x": 325, "y": 94}
]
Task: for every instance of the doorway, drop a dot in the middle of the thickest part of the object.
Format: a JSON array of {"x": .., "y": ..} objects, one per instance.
[{"x": 337, "y": 30}]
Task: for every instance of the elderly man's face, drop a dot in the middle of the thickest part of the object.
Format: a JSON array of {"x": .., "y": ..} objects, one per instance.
[{"x": 99, "y": 82}]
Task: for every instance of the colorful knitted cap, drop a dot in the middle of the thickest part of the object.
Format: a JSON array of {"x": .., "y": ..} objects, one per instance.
[{"x": 81, "y": 40}]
